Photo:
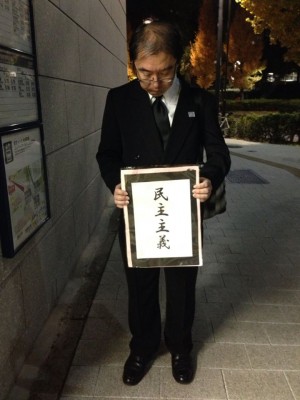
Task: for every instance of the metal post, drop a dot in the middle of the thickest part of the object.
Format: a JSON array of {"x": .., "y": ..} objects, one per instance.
[
  {"x": 219, "y": 52},
  {"x": 228, "y": 16}
]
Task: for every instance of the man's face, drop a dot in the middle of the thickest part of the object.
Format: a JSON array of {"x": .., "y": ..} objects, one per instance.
[{"x": 155, "y": 72}]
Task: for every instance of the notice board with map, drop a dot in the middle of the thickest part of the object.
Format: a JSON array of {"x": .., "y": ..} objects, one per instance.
[{"x": 26, "y": 200}]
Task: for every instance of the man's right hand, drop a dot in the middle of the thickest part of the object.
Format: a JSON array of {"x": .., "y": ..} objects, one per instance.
[{"x": 121, "y": 197}]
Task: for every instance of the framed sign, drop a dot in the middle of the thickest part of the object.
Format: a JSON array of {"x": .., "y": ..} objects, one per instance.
[
  {"x": 15, "y": 29},
  {"x": 18, "y": 99},
  {"x": 162, "y": 220},
  {"x": 23, "y": 188}
]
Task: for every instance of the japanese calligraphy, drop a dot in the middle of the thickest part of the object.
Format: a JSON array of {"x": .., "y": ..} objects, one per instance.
[{"x": 162, "y": 224}]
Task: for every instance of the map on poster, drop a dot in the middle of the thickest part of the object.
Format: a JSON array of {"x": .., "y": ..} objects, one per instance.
[
  {"x": 15, "y": 31},
  {"x": 18, "y": 100},
  {"x": 23, "y": 161}
]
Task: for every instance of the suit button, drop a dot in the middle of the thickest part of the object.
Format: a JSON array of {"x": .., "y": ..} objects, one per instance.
[{"x": 137, "y": 157}]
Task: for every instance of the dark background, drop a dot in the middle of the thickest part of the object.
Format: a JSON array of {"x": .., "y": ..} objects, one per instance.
[
  {"x": 182, "y": 12},
  {"x": 185, "y": 14}
]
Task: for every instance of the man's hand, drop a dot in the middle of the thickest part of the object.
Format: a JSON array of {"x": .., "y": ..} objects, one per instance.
[
  {"x": 202, "y": 190},
  {"x": 120, "y": 197}
]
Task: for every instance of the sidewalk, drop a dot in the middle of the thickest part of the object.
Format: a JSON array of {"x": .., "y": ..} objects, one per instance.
[
  {"x": 247, "y": 326},
  {"x": 282, "y": 156}
]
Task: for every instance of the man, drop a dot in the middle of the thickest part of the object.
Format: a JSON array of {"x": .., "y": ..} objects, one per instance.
[{"x": 132, "y": 136}]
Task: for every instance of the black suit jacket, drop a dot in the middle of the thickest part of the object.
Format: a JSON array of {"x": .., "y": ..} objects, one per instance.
[{"x": 130, "y": 138}]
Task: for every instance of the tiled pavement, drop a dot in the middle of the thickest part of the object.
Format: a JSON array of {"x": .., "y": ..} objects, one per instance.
[{"x": 247, "y": 326}]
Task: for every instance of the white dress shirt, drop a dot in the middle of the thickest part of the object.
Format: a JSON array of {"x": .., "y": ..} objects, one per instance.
[{"x": 170, "y": 98}]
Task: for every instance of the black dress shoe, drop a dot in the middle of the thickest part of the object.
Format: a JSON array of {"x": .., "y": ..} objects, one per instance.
[
  {"x": 135, "y": 369},
  {"x": 182, "y": 368}
]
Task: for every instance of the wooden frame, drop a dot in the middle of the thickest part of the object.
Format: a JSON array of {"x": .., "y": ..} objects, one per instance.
[{"x": 162, "y": 220}]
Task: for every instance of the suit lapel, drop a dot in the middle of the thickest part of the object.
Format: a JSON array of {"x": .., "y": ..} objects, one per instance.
[
  {"x": 184, "y": 118},
  {"x": 144, "y": 128},
  {"x": 143, "y": 117}
]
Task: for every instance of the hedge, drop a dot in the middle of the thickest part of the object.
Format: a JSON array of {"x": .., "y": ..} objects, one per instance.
[
  {"x": 264, "y": 105},
  {"x": 280, "y": 128}
]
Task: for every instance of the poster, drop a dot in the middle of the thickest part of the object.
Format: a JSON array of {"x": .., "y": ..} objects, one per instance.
[
  {"x": 162, "y": 220},
  {"x": 15, "y": 30},
  {"x": 18, "y": 97},
  {"x": 25, "y": 184}
]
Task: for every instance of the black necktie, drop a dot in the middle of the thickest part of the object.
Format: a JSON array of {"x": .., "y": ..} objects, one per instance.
[{"x": 160, "y": 112}]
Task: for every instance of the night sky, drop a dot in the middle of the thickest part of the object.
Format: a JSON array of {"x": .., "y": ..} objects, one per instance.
[{"x": 183, "y": 12}]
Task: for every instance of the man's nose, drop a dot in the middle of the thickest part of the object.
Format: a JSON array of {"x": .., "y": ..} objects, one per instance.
[{"x": 155, "y": 80}]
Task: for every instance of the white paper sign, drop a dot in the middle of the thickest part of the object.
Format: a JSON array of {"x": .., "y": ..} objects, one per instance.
[
  {"x": 162, "y": 220},
  {"x": 157, "y": 220}
]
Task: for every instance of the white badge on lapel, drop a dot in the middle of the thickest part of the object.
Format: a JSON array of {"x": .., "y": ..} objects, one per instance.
[{"x": 191, "y": 114}]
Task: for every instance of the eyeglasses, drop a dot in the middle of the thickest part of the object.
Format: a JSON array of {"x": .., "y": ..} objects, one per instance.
[
  {"x": 160, "y": 80},
  {"x": 148, "y": 81}
]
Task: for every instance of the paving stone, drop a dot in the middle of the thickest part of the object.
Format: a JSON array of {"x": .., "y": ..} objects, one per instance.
[
  {"x": 221, "y": 355},
  {"x": 274, "y": 357},
  {"x": 294, "y": 382},
  {"x": 275, "y": 296},
  {"x": 291, "y": 313},
  {"x": 212, "y": 311},
  {"x": 96, "y": 352},
  {"x": 246, "y": 281},
  {"x": 202, "y": 331},
  {"x": 219, "y": 268},
  {"x": 105, "y": 331},
  {"x": 81, "y": 381},
  {"x": 227, "y": 295},
  {"x": 283, "y": 334},
  {"x": 109, "y": 384},
  {"x": 107, "y": 291},
  {"x": 259, "y": 313},
  {"x": 211, "y": 280},
  {"x": 239, "y": 332},
  {"x": 257, "y": 385},
  {"x": 208, "y": 384}
]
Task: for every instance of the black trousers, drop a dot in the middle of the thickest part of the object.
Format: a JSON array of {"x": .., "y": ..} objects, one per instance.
[{"x": 144, "y": 313}]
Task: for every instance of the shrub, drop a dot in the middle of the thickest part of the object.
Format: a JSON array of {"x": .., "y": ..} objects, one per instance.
[
  {"x": 274, "y": 105},
  {"x": 271, "y": 128}
]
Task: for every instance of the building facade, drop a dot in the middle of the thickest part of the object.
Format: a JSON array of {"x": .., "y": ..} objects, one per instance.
[{"x": 81, "y": 53}]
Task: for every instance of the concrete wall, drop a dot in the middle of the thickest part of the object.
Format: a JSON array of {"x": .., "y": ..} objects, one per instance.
[{"x": 81, "y": 53}]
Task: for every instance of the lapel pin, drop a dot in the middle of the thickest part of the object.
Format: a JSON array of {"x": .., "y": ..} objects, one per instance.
[{"x": 191, "y": 114}]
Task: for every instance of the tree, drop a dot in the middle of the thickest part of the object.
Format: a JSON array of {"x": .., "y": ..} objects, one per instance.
[
  {"x": 203, "y": 50},
  {"x": 244, "y": 52},
  {"x": 277, "y": 17}
]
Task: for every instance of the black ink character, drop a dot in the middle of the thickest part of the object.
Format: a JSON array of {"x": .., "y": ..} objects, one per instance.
[
  {"x": 159, "y": 193},
  {"x": 162, "y": 226},
  {"x": 161, "y": 210},
  {"x": 163, "y": 242}
]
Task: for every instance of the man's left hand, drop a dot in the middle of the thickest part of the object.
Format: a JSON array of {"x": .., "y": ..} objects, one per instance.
[{"x": 202, "y": 190}]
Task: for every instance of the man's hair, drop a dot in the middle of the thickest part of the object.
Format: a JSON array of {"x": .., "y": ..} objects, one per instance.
[{"x": 155, "y": 37}]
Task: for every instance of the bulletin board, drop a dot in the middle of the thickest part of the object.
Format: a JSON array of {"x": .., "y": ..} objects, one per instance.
[
  {"x": 18, "y": 93},
  {"x": 24, "y": 206}
]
